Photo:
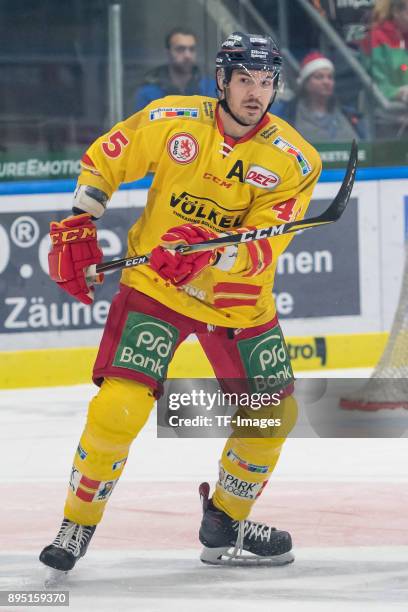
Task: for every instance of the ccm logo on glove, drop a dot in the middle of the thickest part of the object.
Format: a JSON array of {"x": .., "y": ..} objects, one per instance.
[
  {"x": 74, "y": 248},
  {"x": 80, "y": 233}
]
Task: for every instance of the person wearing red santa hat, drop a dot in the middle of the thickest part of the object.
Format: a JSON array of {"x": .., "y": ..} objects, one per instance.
[{"x": 315, "y": 112}]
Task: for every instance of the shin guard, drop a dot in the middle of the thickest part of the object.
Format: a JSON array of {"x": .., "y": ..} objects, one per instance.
[
  {"x": 115, "y": 417},
  {"x": 247, "y": 463}
]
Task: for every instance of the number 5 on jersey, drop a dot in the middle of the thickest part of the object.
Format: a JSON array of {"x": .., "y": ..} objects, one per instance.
[{"x": 115, "y": 144}]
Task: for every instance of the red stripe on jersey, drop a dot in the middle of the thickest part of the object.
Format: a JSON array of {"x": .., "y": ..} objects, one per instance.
[
  {"x": 91, "y": 484},
  {"x": 237, "y": 288},
  {"x": 87, "y": 160},
  {"x": 227, "y": 302},
  {"x": 266, "y": 255},
  {"x": 267, "y": 251},
  {"x": 84, "y": 495},
  {"x": 253, "y": 254}
]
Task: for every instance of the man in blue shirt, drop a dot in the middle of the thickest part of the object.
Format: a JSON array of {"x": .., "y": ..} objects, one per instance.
[{"x": 179, "y": 76}]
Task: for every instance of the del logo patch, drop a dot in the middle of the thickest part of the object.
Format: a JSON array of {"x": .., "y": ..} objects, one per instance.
[
  {"x": 261, "y": 177},
  {"x": 182, "y": 148}
]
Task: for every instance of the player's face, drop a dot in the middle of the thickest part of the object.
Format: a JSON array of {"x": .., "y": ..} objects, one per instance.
[
  {"x": 321, "y": 83},
  {"x": 249, "y": 94},
  {"x": 182, "y": 52}
]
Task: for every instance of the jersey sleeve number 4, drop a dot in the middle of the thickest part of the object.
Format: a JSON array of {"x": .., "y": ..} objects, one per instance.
[
  {"x": 285, "y": 210},
  {"x": 115, "y": 144}
]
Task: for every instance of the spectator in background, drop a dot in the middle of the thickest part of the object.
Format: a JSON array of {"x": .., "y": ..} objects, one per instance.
[
  {"x": 349, "y": 19},
  {"x": 180, "y": 75},
  {"x": 385, "y": 49},
  {"x": 315, "y": 112}
]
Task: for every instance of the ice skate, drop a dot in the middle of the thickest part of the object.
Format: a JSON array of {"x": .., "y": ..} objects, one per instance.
[
  {"x": 230, "y": 542},
  {"x": 70, "y": 545}
]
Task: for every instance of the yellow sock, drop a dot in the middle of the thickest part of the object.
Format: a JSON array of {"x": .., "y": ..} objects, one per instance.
[
  {"x": 247, "y": 463},
  {"x": 115, "y": 417}
]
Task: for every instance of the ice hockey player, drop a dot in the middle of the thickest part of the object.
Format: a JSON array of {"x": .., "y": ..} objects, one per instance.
[{"x": 219, "y": 166}]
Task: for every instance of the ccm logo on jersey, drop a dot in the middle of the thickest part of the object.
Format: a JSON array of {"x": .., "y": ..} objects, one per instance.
[
  {"x": 218, "y": 181},
  {"x": 261, "y": 177}
]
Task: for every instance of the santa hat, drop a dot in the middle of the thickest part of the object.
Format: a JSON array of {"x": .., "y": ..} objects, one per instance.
[{"x": 311, "y": 63}]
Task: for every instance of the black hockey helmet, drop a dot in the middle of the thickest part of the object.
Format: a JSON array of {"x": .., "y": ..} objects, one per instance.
[{"x": 249, "y": 52}]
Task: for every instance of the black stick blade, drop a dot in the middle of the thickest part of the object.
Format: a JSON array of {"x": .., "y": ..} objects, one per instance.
[{"x": 338, "y": 206}]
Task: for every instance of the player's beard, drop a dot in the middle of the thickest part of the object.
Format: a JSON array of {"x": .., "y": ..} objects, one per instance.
[
  {"x": 249, "y": 118},
  {"x": 242, "y": 114}
]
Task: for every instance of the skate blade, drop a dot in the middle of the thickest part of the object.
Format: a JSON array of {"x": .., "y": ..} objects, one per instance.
[
  {"x": 54, "y": 577},
  {"x": 220, "y": 556}
]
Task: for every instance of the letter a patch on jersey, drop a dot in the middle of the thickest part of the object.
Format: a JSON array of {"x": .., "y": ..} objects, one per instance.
[{"x": 237, "y": 170}]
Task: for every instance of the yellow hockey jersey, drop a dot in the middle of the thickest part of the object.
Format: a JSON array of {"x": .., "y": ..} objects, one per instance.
[{"x": 202, "y": 175}]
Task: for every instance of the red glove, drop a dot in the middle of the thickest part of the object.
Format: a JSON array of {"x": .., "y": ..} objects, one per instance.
[
  {"x": 177, "y": 268},
  {"x": 74, "y": 248}
]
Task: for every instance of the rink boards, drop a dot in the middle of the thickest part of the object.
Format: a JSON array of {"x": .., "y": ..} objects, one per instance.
[{"x": 68, "y": 366}]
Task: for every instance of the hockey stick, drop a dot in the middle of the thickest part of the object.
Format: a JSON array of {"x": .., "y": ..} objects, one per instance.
[{"x": 330, "y": 215}]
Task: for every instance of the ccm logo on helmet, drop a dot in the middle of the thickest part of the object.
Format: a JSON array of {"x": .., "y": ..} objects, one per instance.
[{"x": 261, "y": 177}]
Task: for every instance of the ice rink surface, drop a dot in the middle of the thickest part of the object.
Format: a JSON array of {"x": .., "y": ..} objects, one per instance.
[{"x": 344, "y": 500}]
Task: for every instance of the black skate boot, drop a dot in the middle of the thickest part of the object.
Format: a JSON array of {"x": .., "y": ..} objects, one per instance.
[
  {"x": 70, "y": 545},
  {"x": 220, "y": 533}
]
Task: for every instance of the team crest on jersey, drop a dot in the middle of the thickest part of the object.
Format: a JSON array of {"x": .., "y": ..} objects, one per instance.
[
  {"x": 182, "y": 148},
  {"x": 171, "y": 113},
  {"x": 261, "y": 177},
  {"x": 284, "y": 145}
]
